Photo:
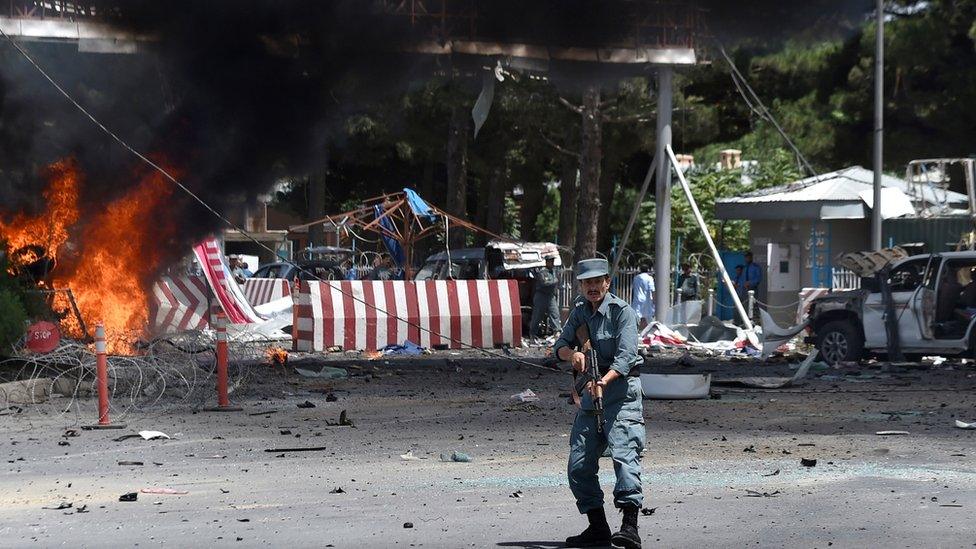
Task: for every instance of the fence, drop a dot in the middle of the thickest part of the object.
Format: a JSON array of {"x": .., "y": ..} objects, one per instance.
[
  {"x": 622, "y": 285},
  {"x": 843, "y": 279}
]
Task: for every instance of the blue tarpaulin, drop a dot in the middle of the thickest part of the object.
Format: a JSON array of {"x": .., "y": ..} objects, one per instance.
[
  {"x": 419, "y": 207},
  {"x": 396, "y": 252}
]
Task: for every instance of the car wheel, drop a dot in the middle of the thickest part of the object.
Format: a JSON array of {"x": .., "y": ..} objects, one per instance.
[{"x": 839, "y": 341}]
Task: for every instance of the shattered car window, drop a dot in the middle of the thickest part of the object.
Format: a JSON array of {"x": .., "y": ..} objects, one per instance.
[{"x": 909, "y": 275}]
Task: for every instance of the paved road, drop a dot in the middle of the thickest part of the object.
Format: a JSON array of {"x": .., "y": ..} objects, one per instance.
[{"x": 703, "y": 459}]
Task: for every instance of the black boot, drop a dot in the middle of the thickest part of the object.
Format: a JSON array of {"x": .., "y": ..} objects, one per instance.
[
  {"x": 597, "y": 534},
  {"x": 627, "y": 537}
]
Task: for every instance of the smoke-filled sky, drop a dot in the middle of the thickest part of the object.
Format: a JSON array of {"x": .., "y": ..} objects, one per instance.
[{"x": 226, "y": 94}]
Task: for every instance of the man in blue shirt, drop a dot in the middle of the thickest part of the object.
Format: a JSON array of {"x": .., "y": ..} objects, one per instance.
[
  {"x": 610, "y": 326},
  {"x": 642, "y": 295},
  {"x": 753, "y": 274}
]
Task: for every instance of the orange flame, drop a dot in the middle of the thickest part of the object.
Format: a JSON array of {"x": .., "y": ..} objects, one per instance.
[
  {"x": 49, "y": 229},
  {"x": 115, "y": 253},
  {"x": 276, "y": 356}
]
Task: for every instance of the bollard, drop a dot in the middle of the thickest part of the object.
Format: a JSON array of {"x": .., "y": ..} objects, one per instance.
[
  {"x": 223, "y": 402},
  {"x": 101, "y": 372},
  {"x": 711, "y": 302},
  {"x": 752, "y": 304}
]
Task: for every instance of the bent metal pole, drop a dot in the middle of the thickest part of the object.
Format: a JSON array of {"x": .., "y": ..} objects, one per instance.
[
  {"x": 633, "y": 217},
  {"x": 708, "y": 238}
]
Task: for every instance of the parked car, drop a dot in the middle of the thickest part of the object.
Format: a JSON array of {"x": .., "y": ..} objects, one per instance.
[
  {"x": 321, "y": 262},
  {"x": 933, "y": 298},
  {"x": 497, "y": 260}
]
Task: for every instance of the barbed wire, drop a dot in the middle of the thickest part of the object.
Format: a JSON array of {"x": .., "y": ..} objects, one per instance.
[{"x": 168, "y": 373}]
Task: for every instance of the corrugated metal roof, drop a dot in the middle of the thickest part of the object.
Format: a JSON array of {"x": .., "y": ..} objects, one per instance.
[{"x": 841, "y": 185}]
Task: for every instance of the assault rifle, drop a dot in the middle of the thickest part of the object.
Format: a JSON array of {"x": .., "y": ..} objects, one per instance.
[{"x": 592, "y": 375}]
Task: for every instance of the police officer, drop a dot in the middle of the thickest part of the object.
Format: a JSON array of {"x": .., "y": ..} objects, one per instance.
[
  {"x": 545, "y": 306},
  {"x": 611, "y": 326}
]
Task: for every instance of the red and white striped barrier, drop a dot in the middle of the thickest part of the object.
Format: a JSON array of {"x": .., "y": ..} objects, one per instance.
[
  {"x": 807, "y": 295},
  {"x": 178, "y": 304},
  {"x": 265, "y": 290},
  {"x": 479, "y": 313},
  {"x": 225, "y": 288}
]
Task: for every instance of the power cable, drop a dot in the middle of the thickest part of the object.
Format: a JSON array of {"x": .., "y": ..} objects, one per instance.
[
  {"x": 230, "y": 224},
  {"x": 761, "y": 110}
]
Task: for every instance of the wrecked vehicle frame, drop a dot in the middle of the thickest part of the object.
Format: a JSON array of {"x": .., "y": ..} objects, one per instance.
[{"x": 933, "y": 298}]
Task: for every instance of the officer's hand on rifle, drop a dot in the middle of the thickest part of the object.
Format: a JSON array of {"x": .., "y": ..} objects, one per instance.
[
  {"x": 578, "y": 361},
  {"x": 601, "y": 383}
]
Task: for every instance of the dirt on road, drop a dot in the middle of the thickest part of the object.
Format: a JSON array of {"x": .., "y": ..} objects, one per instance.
[{"x": 720, "y": 472}]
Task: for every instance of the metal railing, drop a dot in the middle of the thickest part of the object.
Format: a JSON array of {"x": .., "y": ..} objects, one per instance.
[
  {"x": 622, "y": 285},
  {"x": 843, "y": 279}
]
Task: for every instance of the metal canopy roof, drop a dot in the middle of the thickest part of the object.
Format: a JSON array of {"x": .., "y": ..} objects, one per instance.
[{"x": 834, "y": 195}]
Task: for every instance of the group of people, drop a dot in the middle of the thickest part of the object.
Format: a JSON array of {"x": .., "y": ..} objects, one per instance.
[{"x": 642, "y": 291}]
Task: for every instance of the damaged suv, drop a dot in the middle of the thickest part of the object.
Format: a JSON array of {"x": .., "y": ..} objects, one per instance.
[{"x": 933, "y": 300}]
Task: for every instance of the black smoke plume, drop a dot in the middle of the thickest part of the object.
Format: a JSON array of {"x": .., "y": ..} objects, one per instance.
[{"x": 237, "y": 95}]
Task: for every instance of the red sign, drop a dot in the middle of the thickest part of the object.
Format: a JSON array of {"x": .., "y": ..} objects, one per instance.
[{"x": 43, "y": 337}]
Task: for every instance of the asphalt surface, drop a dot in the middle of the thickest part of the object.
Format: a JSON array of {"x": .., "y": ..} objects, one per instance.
[{"x": 722, "y": 472}]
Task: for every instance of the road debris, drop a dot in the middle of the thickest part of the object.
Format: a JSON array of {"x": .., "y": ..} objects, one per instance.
[
  {"x": 770, "y": 382},
  {"x": 153, "y": 435},
  {"x": 773, "y": 474},
  {"x": 164, "y": 491},
  {"x": 516, "y": 494},
  {"x": 62, "y": 505},
  {"x": 755, "y": 494},
  {"x": 526, "y": 396},
  {"x": 131, "y": 496},
  {"x": 408, "y": 525},
  {"x": 306, "y": 404},
  {"x": 331, "y": 397},
  {"x": 344, "y": 421},
  {"x": 264, "y": 413},
  {"x": 808, "y": 462},
  {"x": 327, "y": 372},
  {"x": 409, "y": 456},
  {"x": 676, "y": 386},
  {"x": 459, "y": 457},
  {"x": 964, "y": 425},
  {"x": 648, "y": 511},
  {"x": 306, "y": 449},
  {"x": 125, "y": 463},
  {"x": 891, "y": 433},
  {"x": 337, "y": 490}
]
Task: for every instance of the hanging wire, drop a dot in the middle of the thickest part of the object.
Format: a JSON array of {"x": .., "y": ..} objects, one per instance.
[{"x": 756, "y": 105}]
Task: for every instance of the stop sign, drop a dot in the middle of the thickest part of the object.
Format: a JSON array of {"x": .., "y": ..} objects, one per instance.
[{"x": 43, "y": 337}]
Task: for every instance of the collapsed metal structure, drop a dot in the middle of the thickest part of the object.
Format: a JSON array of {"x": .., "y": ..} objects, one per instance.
[{"x": 403, "y": 218}]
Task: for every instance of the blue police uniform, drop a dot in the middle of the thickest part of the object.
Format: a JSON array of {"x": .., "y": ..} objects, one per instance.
[
  {"x": 545, "y": 304},
  {"x": 613, "y": 333}
]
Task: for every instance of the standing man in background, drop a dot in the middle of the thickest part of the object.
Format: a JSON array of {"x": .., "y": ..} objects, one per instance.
[
  {"x": 642, "y": 296},
  {"x": 545, "y": 306},
  {"x": 753, "y": 276}
]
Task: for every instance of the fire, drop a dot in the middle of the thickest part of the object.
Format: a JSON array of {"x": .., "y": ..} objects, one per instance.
[
  {"x": 276, "y": 356},
  {"x": 50, "y": 229},
  {"x": 114, "y": 254}
]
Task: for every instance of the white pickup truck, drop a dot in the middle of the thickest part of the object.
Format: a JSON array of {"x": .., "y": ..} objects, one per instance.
[{"x": 933, "y": 299}]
